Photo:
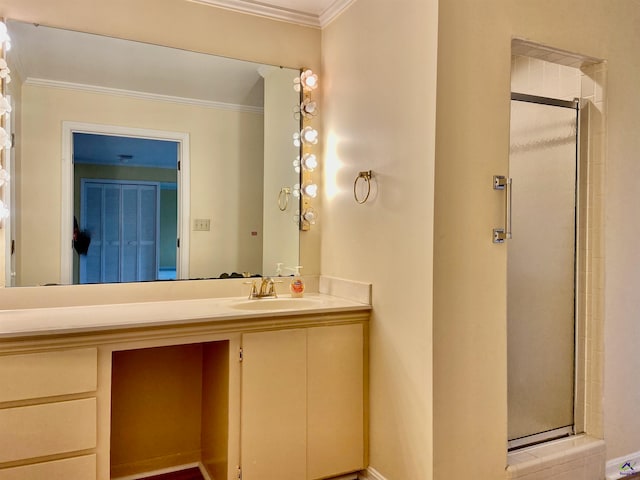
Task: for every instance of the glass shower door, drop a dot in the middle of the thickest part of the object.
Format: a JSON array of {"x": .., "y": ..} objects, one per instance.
[{"x": 541, "y": 272}]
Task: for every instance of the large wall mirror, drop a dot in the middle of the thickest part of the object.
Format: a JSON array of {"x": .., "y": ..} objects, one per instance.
[{"x": 137, "y": 162}]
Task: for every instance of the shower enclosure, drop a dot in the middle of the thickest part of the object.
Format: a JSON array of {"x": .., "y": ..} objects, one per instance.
[{"x": 541, "y": 279}]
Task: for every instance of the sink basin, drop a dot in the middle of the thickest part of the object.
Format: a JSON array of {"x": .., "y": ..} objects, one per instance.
[{"x": 276, "y": 304}]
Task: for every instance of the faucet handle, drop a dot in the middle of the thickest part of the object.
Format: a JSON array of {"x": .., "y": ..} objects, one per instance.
[
  {"x": 253, "y": 293},
  {"x": 271, "y": 287}
]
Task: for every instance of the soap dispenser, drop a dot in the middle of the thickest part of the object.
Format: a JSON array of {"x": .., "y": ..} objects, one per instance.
[{"x": 297, "y": 284}]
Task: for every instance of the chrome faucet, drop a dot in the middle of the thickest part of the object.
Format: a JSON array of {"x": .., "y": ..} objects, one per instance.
[{"x": 267, "y": 289}]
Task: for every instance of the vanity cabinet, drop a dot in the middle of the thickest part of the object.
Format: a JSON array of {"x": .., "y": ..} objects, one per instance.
[
  {"x": 48, "y": 413},
  {"x": 302, "y": 412},
  {"x": 266, "y": 396}
]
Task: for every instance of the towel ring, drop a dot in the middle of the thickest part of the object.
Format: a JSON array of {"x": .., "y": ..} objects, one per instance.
[
  {"x": 366, "y": 176},
  {"x": 283, "y": 198}
]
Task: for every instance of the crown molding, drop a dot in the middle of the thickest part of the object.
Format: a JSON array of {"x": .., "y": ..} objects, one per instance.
[
  {"x": 41, "y": 82},
  {"x": 280, "y": 13},
  {"x": 332, "y": 12}
]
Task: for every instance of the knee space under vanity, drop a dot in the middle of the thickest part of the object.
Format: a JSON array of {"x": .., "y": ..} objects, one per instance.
[{"x": 170, "y": 408}]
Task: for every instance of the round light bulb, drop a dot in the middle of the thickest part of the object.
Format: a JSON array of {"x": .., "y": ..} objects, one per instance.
[
  {"x": 4, "y": 211},
  {"x": 310, "y": 216},
  {"x": 4, "y": 176},
  {"x": 308, "y": 108},
  {"x": 310, "y": 190},
  {"x": 4, "y": 35},
  {"x": 309, "y": 80},
  {"x": 5, "y": 106},
  {"x": 309, "y": 162},
  {"x": 309, "y": 136},
  {"x": 5, "y": 138}
]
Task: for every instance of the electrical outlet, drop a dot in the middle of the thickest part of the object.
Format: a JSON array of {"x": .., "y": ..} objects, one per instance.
[{"x": 201, "y": 225}]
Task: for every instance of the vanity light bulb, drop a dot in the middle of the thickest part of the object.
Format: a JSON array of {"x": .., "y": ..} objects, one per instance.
[
  {"x": 309, "y": 80},
  {"x": 309, "y": 162},
  {"x": 4, "y": 70},
  {"x": 308, "y": 108},
  {"x": 310, "y": 190},
  {"x": 5, "y": 106},
  {"x": 5, "y": 138},
  {"x": 310, "y": 216},
  {"x": 309, "y": 136},
  {"x": 296, "y": 139},
  {"x": 4, "y": 211},
  {"x": 296, "y": 190},
  {"x": 4, "y": 35},
  {"x": 296, "y": 164},
  {"x": 4, "y": 176}
]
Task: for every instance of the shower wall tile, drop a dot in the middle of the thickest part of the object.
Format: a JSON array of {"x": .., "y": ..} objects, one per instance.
[
  {"x": 544, "y": 78},
  {"x": 593, "y": 83}
]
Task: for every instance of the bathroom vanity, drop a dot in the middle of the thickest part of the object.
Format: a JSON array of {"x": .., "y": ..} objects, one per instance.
[{"x": 258, "y": 390}]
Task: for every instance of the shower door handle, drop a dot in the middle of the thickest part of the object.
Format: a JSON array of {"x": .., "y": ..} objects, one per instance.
[{"x": 501, "y": 182}]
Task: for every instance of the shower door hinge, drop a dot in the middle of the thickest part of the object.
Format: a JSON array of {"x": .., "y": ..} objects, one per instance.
[
  {"x": 499, "y": 235},
  {"x": 499, "y": 182}
]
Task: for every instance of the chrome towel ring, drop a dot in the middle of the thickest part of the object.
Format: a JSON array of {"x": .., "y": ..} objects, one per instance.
[{"x": 366, "y": 176}]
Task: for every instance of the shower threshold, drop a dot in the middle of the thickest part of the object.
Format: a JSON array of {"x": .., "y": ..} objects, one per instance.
[{"x": 541, "y": 437}]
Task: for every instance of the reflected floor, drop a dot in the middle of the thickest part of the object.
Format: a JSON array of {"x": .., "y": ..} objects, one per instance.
[{"x": 188, "y": 474}]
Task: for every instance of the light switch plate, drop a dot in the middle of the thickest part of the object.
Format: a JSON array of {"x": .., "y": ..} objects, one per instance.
[{"x": 201, "y": 225}]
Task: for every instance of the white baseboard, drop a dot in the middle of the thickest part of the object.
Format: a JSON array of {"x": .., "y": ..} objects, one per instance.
[
  {"x": 204, "y": 472},
  {"x": 623, "y": 466},
  {"x": 371, "y": 474}
]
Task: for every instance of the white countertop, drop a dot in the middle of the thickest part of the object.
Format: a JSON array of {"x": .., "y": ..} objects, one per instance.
[{"x": 81, "y": 319}]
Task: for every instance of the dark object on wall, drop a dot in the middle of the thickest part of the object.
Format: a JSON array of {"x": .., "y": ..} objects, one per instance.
[{"x": 81, "y": 239}]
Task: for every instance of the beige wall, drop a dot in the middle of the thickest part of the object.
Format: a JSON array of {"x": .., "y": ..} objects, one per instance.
[
  {"x": 225, "y": 152},
  {"x": 387, "y": 241},
  {"x": 378, "y": 113}
]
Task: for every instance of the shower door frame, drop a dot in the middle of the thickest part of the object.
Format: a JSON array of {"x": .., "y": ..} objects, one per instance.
[{"x": 573, "y": 429}]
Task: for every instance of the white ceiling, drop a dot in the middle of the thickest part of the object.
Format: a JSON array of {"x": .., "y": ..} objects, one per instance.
[{"x": 316, "y": 13}]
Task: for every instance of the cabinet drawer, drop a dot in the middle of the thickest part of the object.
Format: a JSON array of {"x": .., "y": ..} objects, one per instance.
[
  {"x": 47, "y": 374},
  {"x": 78, "y": 468},
  {"x": 52, "y": 428}
]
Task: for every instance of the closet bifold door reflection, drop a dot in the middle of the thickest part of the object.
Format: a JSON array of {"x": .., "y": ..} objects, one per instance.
[{"x": 541, "y": 259}]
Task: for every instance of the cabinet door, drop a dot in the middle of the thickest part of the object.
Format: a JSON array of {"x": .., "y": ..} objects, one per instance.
[
  {"x": 335, "y": 403},
  {"x": 274, "y": 395}
]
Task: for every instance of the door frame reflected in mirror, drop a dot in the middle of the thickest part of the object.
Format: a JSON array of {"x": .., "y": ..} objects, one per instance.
[{"x": 67, "y": 213}]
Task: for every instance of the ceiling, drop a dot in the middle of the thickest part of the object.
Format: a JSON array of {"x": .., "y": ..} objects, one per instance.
[
  {"x": 55, "y": 57},
  {"x": 95, "y": 149},
  {"x": 316, "y": 13}
]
